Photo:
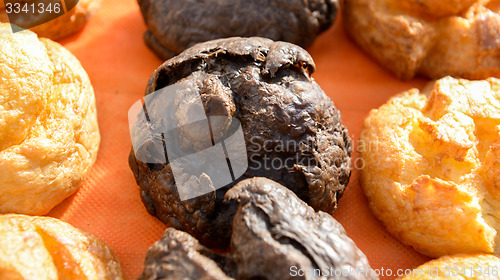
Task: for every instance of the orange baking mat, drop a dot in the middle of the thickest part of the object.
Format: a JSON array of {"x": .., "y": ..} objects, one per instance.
[{"x": 119, "y": 65}]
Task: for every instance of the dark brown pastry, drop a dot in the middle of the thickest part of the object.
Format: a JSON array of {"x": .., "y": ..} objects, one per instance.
[
  {"x": 285, "y": 117},
  {"x": 275, "y": 236},
  {"x": 174, "y": 25}
]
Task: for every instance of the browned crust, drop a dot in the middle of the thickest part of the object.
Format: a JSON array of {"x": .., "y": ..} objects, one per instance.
[{"x": 425, "y": 38}]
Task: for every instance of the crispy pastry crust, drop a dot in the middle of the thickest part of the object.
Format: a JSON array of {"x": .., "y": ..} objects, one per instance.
[
  {"x": 460, "y": 38},
  {"x": 432, "y": 166},
  {"x": 49, "y": 134},
  {"x": 48, "y": 249}
]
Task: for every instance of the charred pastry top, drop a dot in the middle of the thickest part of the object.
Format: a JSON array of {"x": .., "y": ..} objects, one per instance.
[
  {"x": 274, "y": 234},
  {"x": 285, "y": 116},
  {"x": 174, "y": 26}
]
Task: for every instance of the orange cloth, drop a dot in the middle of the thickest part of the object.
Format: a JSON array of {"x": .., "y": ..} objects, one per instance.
[{"x": 108, "y": 204}]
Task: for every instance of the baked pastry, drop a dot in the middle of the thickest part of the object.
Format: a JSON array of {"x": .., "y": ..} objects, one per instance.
[
  {"x": 478, "y": 266},
  {"x": 174, "y": 26},
  {"x": 432, "y": 166},
  {"x": 48, "y": 124},
  {"x": 276, "y": 236},
  {"x": 291, "y": 130},
  {"x": 432, "y": 38},
  {"x": 55, "y": 28},
  {"x": 46, "y": 248}
]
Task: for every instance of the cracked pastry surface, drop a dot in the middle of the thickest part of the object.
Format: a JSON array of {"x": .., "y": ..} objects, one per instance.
[
  {"x": 67, "y": 24},
  {"x": 49, "y": 135},
  {"x": 45, "y": 248},
  {"x": 285, "y": 117},
  {"x": 466, "y": 267},
  {"x": 432, "y": 166},
  {"x": 460, "y": 38},
  {"x": 273, "y": 233}
]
